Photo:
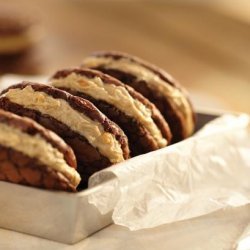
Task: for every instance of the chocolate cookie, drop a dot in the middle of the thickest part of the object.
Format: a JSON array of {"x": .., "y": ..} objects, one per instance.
[
  {"x": 96, "y": 141},
  {"x": 154, "y": 83},
  {"x": 34, "y": 156},
  {"x": 141, "y": 121}
]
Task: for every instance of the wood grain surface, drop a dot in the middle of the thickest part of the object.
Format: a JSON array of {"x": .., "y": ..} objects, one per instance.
[{"x": 205, "y": 47}]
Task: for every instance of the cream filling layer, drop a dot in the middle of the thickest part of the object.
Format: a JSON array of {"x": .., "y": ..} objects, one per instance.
[
  {"x": 176, "y": 97},
  {"x": 37, "y": 147},
  {"x": 115, "y": 95},
  {"x": 59, "y": 109}
]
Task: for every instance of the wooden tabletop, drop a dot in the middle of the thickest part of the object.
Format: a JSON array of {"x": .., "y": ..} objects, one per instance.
[{"x": 205, "y": 47}]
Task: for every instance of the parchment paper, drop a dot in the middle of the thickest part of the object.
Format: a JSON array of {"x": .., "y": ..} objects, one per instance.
[{"x": 200, "y": 175}]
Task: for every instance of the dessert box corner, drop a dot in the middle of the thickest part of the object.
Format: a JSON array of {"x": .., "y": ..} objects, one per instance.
[{"x": 59, "y": 216}]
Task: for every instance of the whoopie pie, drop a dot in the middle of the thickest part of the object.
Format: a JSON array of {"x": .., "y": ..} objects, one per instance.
[
  {"x": 141, "y": 121},
  {"x": 153, "y": 83},
  {"x": 34, "y": 156}
]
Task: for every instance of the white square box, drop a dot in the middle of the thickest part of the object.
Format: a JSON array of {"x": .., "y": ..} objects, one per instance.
[{"x": 58, "y": 216}]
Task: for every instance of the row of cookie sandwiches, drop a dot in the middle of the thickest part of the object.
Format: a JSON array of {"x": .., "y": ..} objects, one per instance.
[{"x": 90, "y": 110}]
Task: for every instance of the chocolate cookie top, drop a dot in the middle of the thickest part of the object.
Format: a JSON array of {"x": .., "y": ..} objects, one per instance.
[
  {"x": 154, "y": 83},
  {"x": 32, "y": 140},
  {"x": 78, "y": 114},
  {"x": 108, "y": 89}
]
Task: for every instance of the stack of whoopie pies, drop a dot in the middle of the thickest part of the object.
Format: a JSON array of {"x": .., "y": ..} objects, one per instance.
[{"x": 113, "y": 107}]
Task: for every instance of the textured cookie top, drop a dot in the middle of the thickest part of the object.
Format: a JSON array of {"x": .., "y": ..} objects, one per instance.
[
  {"x": 31, "y": 139},
  {"x": 106, "y": 88},
  {"x": 78, "y": 114}
]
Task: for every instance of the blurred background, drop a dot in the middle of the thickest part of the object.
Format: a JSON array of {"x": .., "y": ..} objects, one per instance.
[{"x": 204, "y": 44}]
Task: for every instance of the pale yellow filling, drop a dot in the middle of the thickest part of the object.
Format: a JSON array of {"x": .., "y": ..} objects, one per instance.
[
  {"x": 115, "y": 95},
  {"x": 176, "y": 98},
  {"x": 59, "y": 109},
  {"x": 37, "y": 147}
]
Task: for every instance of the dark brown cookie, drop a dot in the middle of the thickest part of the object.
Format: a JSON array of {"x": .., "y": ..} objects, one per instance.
[
  {"x": 154, "y": 83},
  {"x": 139, "y": 118},
  {"x": 96, "y": 141},
  {"x": 34, "y": 156}
]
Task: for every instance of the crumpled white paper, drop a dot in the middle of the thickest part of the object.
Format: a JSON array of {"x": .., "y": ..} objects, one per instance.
[
  {"x": 200, "y": 175},
  {"x": 244, "y": 240}
]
